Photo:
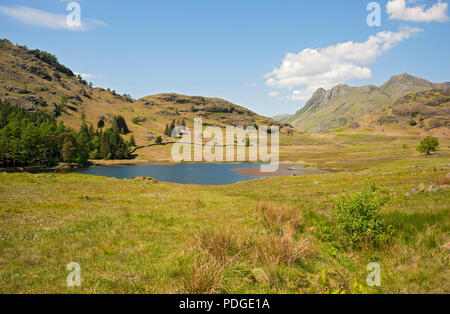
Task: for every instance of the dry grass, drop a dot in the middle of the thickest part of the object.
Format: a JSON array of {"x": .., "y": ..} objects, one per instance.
[
  {"x": 277, "y": 216},
  {"x": 442, "y": 180},
  {"x": 272, "y": 249},
  {"x": 223, "y": 243},
  {"x": 282, "y": 247},
  {"x": 205, "y": 277}
]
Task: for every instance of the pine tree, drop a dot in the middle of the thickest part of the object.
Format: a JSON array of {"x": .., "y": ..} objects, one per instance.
[
  {"x": 167, "y": 131},
  {"x": 171, "y": 128},
  {"x": 69, "y": 149},
  {"x": 132, "y": 141},
  {"x": 101, "y": 124}
]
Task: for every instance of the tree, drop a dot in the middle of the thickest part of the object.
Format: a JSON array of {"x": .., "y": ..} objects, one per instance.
[
  {"x": 428, "y": 145},
  {"x": 159, "y": 140},
  {"x": 167, "y": 131},
  {"x": 101, "y": 124},
  {"x": 171, "y": 128},
  {"x": 69, "y": 150},
  {"x": 120, "y": 125},
  {"x": 132, "y": 141}
]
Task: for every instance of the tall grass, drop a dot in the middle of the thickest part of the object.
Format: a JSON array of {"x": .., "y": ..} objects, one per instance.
[
  {"x": 442, "y": 180},
  {"x": 204, "y": 277}
]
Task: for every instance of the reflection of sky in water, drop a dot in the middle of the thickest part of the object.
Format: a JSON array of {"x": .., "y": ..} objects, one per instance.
[{"x": 202, "y": 174}]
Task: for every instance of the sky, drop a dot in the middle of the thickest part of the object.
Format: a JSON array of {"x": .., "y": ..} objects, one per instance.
[{"x": 268, "y": 56}]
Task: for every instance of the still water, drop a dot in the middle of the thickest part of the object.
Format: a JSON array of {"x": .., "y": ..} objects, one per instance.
[{"x": 200, "y": 174}]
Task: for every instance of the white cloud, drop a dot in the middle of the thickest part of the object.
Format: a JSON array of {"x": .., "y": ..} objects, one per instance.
[
  {"x": 88, "y": 76},
  {"x": 326, "y": 67},
  {"x": 274, "y": 94},
  {"x": 41, "y": 18},
  {"x": 398, "y": 10}
]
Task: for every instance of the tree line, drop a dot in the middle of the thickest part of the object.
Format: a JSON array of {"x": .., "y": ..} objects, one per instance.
[{"x": 38, "y": 139}]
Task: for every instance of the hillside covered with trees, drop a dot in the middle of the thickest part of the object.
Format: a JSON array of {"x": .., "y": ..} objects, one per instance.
[{"x": 37, "y": 139}]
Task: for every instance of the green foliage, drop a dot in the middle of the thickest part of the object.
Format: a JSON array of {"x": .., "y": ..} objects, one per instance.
[
  {"x": 37, "y": 139},
  {"x": 29, "y": 139},
  {"x": 52, "y": 61},
  {"x": 358, "y": 220},
  {"x": 119, "y": 124},
  {"x": 113, "y": 146},
  {"x": 412, "y": 122},
  {"x": 159, "y": 140},
  {"x": 132, "y": 141},
  {"x": 135, "y": 120},
  {"x": 428, "y": 145},
  {"x": 101, "y": 124}
]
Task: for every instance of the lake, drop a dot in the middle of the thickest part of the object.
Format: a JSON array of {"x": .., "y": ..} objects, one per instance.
[{"x": 200, "y": 174}]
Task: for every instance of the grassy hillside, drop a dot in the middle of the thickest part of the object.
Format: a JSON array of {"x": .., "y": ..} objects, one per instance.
[
  {"x": 345, "y": 106},
  {"x": 38, "y": 82},
  {"x": 263, "y": 236}
]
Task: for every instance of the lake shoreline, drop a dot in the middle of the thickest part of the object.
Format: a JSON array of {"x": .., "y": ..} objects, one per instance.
[{"x": 284, "y": 170}]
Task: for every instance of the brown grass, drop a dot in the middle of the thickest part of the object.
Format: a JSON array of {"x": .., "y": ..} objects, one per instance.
[
  {"x": 205, "y": 277},
  {"x": 275, "y": 249},
  {"x": 442, "y": 180},
  {"x": 277, "y": 216},
  {"x": 223, "y": 243}
]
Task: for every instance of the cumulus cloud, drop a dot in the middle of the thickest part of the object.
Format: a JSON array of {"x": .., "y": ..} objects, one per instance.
[
  {"x": 88, "y": 76},
  {"x": 398, "y": 10},
  {"x": 41, "y": 18},
  {"x": 326, "y": 67}
]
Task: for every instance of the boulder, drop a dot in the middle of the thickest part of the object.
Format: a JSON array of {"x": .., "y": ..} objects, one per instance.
[{"x": 433, "y": 188}]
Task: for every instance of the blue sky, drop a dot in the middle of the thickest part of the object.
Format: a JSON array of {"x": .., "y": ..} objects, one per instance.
[{"x": 237, "y": 50}]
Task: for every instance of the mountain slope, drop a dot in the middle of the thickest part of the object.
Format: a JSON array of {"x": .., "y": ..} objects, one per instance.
[
  {"x": 38, "y": 82},
  {"x": 345, "y": 106}
]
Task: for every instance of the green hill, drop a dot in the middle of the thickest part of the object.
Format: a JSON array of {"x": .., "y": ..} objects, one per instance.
[{"x": 36, "y": 81}]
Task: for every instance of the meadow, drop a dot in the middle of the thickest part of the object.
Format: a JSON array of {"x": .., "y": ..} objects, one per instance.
[{"x": 263, "y": 236}]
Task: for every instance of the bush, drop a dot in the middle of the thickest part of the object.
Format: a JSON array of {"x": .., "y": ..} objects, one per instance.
[
  {"x": 358, "y": 219},
  {"x": 412, "y": 122},
  {"x": 158, "y": 140}
]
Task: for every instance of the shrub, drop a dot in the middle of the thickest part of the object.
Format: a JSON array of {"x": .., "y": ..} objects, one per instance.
[
  {"x": 158, "y": 140},
  {"x": 412, "y": 122},
  {"x": 358, "y": 219}
]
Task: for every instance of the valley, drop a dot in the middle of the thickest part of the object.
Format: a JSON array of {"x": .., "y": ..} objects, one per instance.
[{"x": 361, "y": 193}]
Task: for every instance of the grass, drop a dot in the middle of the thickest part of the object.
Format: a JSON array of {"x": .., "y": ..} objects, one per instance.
[{"x": 262, "y": 236}]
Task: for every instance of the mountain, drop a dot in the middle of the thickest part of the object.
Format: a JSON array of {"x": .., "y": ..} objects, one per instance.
[
  {"x": 283, "y": 118},
  {"x": 346, "y": 106},
  {"x": 37, "y": 81}
]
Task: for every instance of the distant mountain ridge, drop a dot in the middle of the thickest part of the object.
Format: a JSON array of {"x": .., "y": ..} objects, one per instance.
[{"x": 343, "y": 105}]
